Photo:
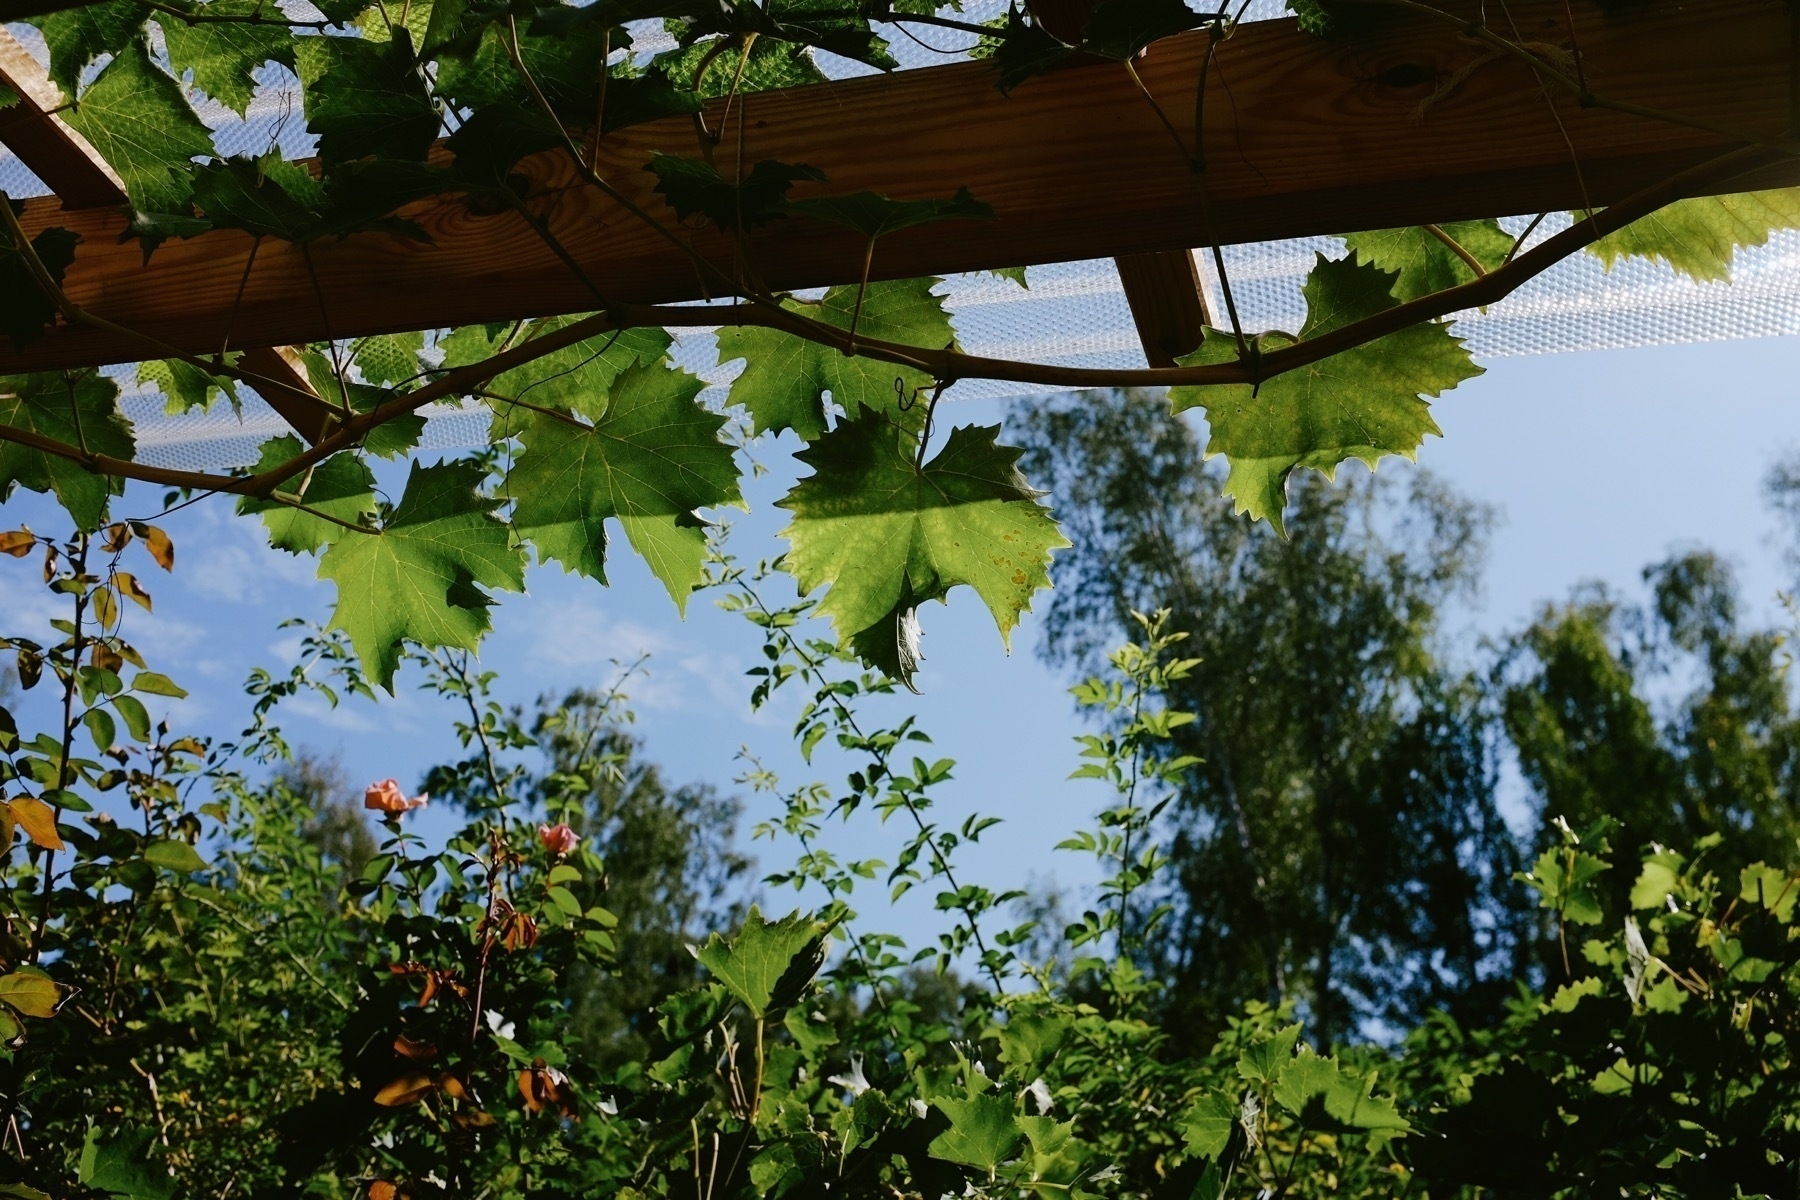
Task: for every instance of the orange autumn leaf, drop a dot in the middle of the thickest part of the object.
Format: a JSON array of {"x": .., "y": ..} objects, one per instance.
[
  {"x": 406, "y": 1047},
  {"x": 381, "y": 1189},
  {"x": 37, "y": 819},
  {"x": 17, "y": 542},
  {"x": 408, "y": 1088}
]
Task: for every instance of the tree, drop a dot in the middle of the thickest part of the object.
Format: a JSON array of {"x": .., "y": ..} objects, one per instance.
[
  {"x": 1671, "y": 718},
  {"x": 1339, "y": 844},
  {"x": 672, "y": 868}
]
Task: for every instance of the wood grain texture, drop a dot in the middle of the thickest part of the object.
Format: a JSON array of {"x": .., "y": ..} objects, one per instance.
[
  {"x": 1168, "y": 305},
  {"x": 1301, "y": 137}
]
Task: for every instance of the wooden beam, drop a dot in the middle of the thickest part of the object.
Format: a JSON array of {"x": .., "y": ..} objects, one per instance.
[
  {"x": 1167, "y": 303},
  {"x": 44, "y": 142},
  {"x": 1302, "y": 137},
  {"x": 280, "y": 378}
]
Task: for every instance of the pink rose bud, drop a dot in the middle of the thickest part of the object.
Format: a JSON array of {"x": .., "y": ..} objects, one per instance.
[
  {"x": 558, "y": 839},
  {"x": 386, "y": 797}
]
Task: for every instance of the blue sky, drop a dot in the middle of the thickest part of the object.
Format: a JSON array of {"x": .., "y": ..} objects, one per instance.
[{"x": 1600, "y": 463}]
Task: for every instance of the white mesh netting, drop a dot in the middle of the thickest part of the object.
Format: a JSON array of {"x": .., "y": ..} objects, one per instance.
[{"x": 1073, "y": 313}]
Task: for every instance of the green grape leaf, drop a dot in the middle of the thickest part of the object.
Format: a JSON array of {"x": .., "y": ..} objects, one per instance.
[
  {"x": 25, "y": 308},
  {"x": 1660, "y": 875},
  {"x": 787, "y": 378},
  {"x": 695, "y": 188},
  {"x": 874, "y": 215},
  {"x": 123, "y": 1165},
  {"x": 340, "y": 489},
  {"x": 1424, "y": 262},
  {"x": 769, "y": 65},
  {"x": 1261, "y": 1062},
  {"x": 1565, "y": 881},
  {"x": 1317, "y": 1090},
  {"x": 140, "y": 122},
  {"x": 78, "y": 35},
  {"x": 577, "y": 378},
  {"x": 184, "y": 386},
  {"x": 653, "y": 456},
  {"x": 1772, "y": 888},
  {"x": 769, "y": 964},
  {"x": 76, "y": 410},
  {"x": 393, "y": 437},
  {"x": 1363, "y": 403},
  {"x": 491, "y": 142},
  {"x": 1207, "y": 1123},
  {"x": 390, "y": 359},
  {"x": 1120, "y": 28},
  {"x": 637, "y": 99},
  {"x": 1026, "y": 50},
  {"x": 878, "y": 529},
  {"x": 365, "y": 98},
  {"x": 420, "y": 578},
  {"x": 264, "y": 197},
  {"x": 984, "y": 1130},
  {"x": 1699, "y": 238},
  {"x": 1058, "y": 1159},
  {"x": 224, "y": 55}
]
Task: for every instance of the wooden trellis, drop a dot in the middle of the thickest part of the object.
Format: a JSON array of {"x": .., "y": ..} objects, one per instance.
[{"x": 1419, "y": 123}]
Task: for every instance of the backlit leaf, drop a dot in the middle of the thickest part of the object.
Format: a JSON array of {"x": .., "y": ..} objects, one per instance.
[
  {"x": 420, "y": 578},
  {"x": 174, "y": 854},
  {"x": 37, "y": 819},
  {"x": 876, "y": 529},
  {"x": 1364, "y": 403},
  {"x": 769, "y": 963},
  {"x": 339, "y": 491},
  {"x": 225, "y": 55},
  {"x": 1425, "y": 264},
  {"x": 78, "y": 409},
  {"x": 1700, "y": 237},
  {"x": 984, "y": 1130},
  {"x": 142, "y": 125}
]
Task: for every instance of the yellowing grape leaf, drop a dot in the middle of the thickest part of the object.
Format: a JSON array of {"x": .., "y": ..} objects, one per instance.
[
  {"x": 420, "y": 577},
  {"x": 879, "y": 529},
  {"x": 650, "y": 457},
  {"x": 50, "y": 404},
  {"x": 1363, "y": 403},
  {"x": 1700, "y": 237},
  {"x": 786, "y": 378}
]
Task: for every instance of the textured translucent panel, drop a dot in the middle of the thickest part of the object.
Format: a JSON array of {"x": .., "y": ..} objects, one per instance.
[{"x": 1073, "y": 314}]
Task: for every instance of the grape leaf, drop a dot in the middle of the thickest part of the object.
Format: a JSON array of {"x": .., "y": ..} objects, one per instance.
[
  {"x": 142, "y": 125},
  {"x": 184, "y": 386},
  {"x": 878, "y": 530},
  {"x": 76, "y": 409},
  {"x": 692, "y": 187},
  {"x": 264, "y": 197},
  {"x": 983, "y": 1130},
  {"x": 224, "y": 55},
  {"x": 25, "y": 308},
  {"x": 652, "y": 457},
  {"x": 576, "y": 378},
  {"x": 341, "y": 487},
  {"x": 873, "y": 215},
  {"x": 1424, "y": 262},
  {"x": 365, "y": 98},
  {"x": 1120, "y": 28},
  {"x": 769, "y": 65},
  {"x": 1363, "y": 403},
  {"x": 1317, "y": 1090},
  {"x": 787, "y": 378},
  {"x": 78, "y": 35},
  {"x": 420, "y": 578},
  {"x": 1700, "y": 237},
  {"x": 769, "y": 963},
  {"x": 1207, "y": 1124}
]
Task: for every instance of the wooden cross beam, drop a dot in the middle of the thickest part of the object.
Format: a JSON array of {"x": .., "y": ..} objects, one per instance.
[
  {"x": 1415, "y": 123},
  {"x": 81, "y": 179}
]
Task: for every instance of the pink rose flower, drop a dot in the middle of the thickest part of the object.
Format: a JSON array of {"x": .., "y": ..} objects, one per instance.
[
  {"x": 558, "y": 839},
  {"x": 386, "y": 797}
]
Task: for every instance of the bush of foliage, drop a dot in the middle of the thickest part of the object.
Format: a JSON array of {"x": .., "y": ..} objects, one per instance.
[{"x": 204, "y": 996}]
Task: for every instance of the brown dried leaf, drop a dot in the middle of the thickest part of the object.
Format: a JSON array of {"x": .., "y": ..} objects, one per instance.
[
  {"x": 409, "y": 1088},
  {"x": 31, "y": 668},
  {"x": 17, "y": 542},
  {"x": 405, "y": 1047},
  {"x": 473, "y": 1118},
  {"x": 37, "y": 819},
  {"x": 107, "y": 659}
]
